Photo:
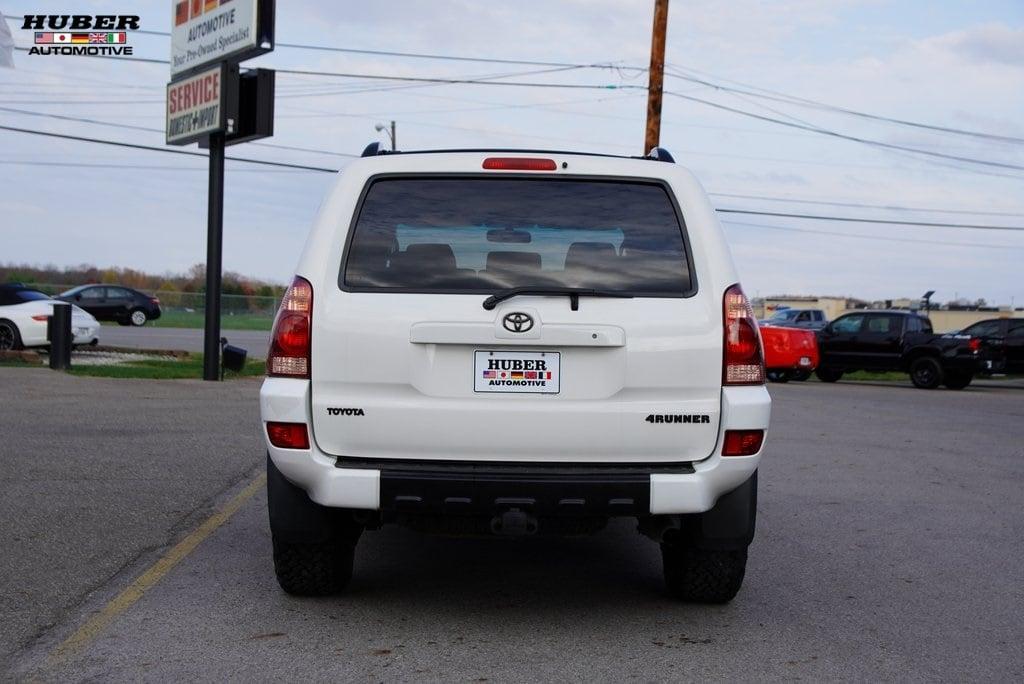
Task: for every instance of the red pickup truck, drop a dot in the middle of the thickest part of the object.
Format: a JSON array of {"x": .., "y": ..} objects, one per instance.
[{"x": 789, "y": 353}]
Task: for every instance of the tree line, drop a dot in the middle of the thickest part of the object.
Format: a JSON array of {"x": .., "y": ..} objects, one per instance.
[{"x": 193, "y": 281}]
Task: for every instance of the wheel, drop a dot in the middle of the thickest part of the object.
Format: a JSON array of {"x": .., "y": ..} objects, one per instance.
[
  {"x": 778, "y": 376},
  {"x": 314, "y": 545},
  {"x": 957, "y": 380},
  {"x": 313, "y": 569},
  {"x": 703, "y": 575},
  {"x": 828, "y": 374},
  {"x": 138, "y": 317},
  {"x": 800, "y": 375},
  {"x": 926, "y": 372},
  {"x": 10, "y": 338}
]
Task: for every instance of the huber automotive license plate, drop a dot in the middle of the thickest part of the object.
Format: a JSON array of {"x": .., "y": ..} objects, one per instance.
[{"x": 514, "y": 371}]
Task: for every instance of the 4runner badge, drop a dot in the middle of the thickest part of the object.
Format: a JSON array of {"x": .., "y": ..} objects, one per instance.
[
  {"x": 678, "y": 418},
  {"x": 346, "y": 412}
]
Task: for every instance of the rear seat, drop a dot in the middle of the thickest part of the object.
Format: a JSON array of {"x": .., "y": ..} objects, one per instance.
[
  {"x": 434, "y": 263},
  {"x": 586, "y": 263}
]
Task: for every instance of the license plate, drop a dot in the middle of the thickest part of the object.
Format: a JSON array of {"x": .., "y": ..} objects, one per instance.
[
  {"x": 81, "y": 331},
  {"x": 517, "y": 372}
]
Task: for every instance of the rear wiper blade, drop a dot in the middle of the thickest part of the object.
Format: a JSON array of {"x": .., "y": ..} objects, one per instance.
[{"x": 572, "y": 292}]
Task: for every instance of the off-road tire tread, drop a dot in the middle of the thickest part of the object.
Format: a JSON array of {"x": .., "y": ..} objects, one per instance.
[
  {"x": 703, "y": 575},
  {"x": 320, "y": 569}
]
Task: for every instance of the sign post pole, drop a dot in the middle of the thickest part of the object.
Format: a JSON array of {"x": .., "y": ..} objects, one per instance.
[
  {"x": 210, "y": 102},
  {"x": 214, "y": 243}
]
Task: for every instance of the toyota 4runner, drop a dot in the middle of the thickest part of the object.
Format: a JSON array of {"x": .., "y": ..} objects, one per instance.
[{"x": 515, "y": 343}]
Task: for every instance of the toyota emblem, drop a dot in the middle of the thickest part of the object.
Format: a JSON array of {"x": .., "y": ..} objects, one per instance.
[{"x": 517, "y": 322}]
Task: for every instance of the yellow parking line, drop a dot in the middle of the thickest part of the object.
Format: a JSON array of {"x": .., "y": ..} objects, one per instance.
[{"x": 123, "y": 601}]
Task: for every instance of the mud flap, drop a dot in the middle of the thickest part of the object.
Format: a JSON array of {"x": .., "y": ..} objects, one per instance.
[
  {"x": 296, "y": 519},
  {"x": 729, "y": 526}
]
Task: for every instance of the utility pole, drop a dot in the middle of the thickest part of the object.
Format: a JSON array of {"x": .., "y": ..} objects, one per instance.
[
  {"x": 394, "y": 140},
  {"x": 656, "y": 76}
]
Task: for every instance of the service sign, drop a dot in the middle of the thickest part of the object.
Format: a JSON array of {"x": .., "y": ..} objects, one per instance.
[
  {"x": 201, "y": 104},
  {"x": 207, "y": 31}
]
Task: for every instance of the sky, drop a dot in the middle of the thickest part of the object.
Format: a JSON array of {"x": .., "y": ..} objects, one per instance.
[{"x": 944, "y": 63}]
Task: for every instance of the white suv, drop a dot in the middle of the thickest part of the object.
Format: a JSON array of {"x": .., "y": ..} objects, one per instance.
[{"x": 515, "y": 343}]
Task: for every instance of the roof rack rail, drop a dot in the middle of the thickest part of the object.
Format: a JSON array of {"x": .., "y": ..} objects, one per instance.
[
  {"x": 374, "y": 149},
  {"x": 661, "y": 154}
]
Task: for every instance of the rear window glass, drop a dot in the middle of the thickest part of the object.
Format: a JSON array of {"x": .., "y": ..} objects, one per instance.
[
  {"x": 488, "y": 234},
  {"x": 11, "y": 297}
]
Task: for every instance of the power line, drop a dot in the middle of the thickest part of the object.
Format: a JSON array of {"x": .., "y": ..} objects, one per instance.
[
  {"x": 144, "y": 167},
  {"x": 150, "y": 129},
  {"x": 863, "y": 205},
  {"x": 167, "y": 150},
  {"x": 406, "y": 79},
  {"x": 844, "y": 136},
  {"x": 883, "y": 238},
  {"x": 853, "y": 219},
  {"x": 804, "y": 102}
]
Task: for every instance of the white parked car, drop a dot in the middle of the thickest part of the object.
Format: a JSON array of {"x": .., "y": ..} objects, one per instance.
[
  {"x": 513, "y": 343},
  {"x": 23, "y": 314}
]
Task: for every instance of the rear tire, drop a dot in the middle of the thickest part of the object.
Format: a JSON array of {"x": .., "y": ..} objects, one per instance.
[
  {"x": 314, "y": 545},
  {"x": 10, "y": 336},
  {"x": 926, "y": 372},
  {"x": 703, "y": 575},
  {"x": 828, "y": 374},
  {"x": 957, "y": 380},
  {"x": 138, "y": 318},
  {"x": 778, "y": 376},
  {"x": 317, "y": 569}
]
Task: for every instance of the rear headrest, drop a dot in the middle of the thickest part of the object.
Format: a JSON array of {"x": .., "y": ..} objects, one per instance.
[
  {"x": 513, "y": 261},
  {"x": 433, "y": 257},
  {"x": 589, "y": 254}
]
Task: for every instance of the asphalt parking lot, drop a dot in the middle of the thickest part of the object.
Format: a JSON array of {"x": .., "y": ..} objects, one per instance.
[
  {"x": 256, "y": 342},
  {"x": 889, "y": 545}
]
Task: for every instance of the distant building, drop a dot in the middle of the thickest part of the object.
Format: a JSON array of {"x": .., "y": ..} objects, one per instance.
[{"x": 832, "y": 306}]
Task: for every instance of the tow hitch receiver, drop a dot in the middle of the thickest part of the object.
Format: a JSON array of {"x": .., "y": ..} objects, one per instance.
[{"x": 514, "y": 523}]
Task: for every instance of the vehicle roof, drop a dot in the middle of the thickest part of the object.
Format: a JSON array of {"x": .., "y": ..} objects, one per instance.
[
  {"x": 512, "y": 150},
  {"x": 894, "y": 312}
]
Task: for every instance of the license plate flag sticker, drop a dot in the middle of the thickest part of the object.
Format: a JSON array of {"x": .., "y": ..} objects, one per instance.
[{"x": 516, "y": 372}]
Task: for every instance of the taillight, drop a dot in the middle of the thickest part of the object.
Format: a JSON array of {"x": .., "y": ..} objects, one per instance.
[
  {"x": 154, "y": 300},
  {"x": 290, "y": 339},
  {"x": 288, "y": 435},
  {"x": 519, "y": 164},
  {"x": 741, "y": 442},
  {"x": 742, "y": 358},
  {"x": 974, "y": 345},
  {"x": 40, "y": 317}
]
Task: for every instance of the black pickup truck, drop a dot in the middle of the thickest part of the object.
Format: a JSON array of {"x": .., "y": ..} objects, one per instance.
[{"x": 897, "y": 341}]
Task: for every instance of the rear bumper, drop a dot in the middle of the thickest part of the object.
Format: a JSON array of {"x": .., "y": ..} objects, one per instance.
[{"x": 583, "y": 489}]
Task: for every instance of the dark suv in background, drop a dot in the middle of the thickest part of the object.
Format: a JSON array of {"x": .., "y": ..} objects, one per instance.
[{"x": 114, "y": 303}]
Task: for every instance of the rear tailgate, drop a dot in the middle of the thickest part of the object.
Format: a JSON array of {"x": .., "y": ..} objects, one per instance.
[{"x": 408, "y": 364}]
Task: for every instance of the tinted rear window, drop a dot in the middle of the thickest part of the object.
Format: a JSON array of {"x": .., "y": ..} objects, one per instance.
[
  {"x": 10, "y": 297},
  {"x": 488, "y": 234}
]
